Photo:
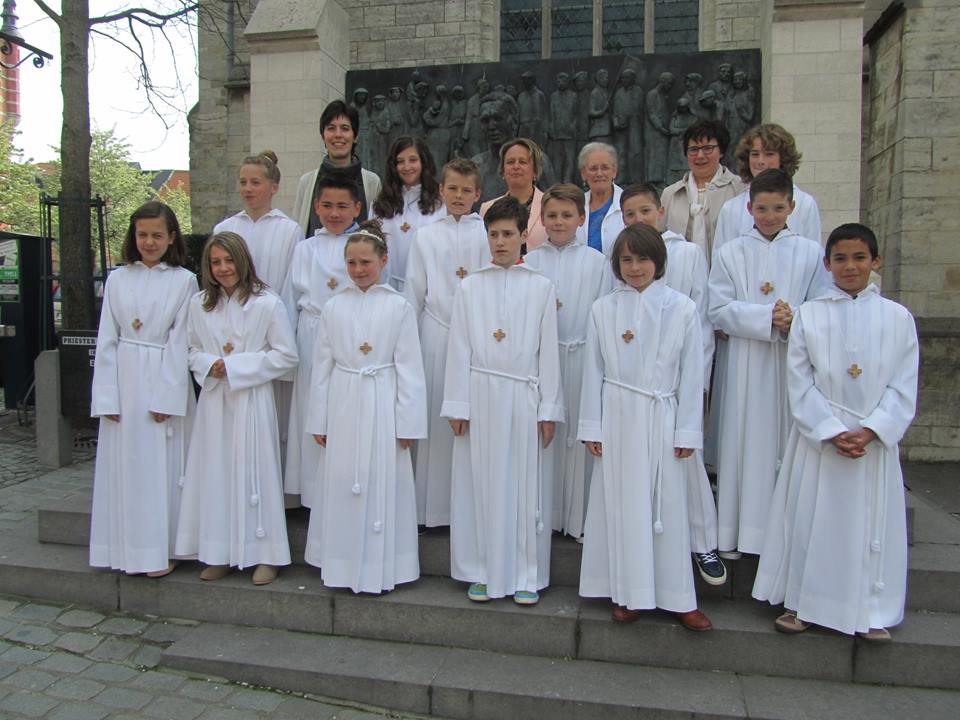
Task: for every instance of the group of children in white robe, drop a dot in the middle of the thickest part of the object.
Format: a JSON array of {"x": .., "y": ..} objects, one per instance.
[{"x": 561, "y": 391}]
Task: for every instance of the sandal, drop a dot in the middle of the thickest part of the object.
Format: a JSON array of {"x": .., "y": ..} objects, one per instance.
[{"x": 789, "y": 623}]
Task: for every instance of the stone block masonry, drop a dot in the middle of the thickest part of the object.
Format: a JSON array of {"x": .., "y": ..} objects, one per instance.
[
  {"x": 386, "y": 33},
  {"x": 911, "y": 151}
]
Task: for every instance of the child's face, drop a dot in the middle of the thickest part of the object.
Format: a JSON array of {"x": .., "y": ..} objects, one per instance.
[
  {"x": 223, "y": 269},
  {"x": 256, "y": 189},
  {"x": 770, "y": 211},
  {"x": 153, "y": 238},
  {"x": 408, "y": 166},
  {"x": 505, "y": 240},
  {"x": 762, "y": 159},
  {"x": 337, "y": 210},
  {"x": 637, "y": 271},
  {"x": 363, "y": 264},
  {"x": 642, "y": 209},
  {"x": 850, "y": 263},
  {"x": 459, "y": 192},
  {"x": 561, "y": 220}
]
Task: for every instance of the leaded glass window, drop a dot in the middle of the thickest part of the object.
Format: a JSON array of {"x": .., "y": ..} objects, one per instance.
[
  {"x": 623, "y": 27},
  {"x": 521, "y": 30},
  {"x": 571, "y": 28},
  {"x": 676, "y": 25}
]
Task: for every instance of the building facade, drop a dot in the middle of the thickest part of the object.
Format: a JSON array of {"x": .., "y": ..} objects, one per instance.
[{"x": 869, "y": 89}]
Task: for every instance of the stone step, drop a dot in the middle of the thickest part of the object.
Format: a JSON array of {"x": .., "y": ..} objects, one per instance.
[
  {"x": 435, "y": 611},
  {"x": 933, "y": 582},
  {"x": 477, "y": 685}
]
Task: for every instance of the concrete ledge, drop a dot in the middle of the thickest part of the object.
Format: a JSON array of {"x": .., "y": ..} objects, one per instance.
[{"x": 474, "y": 685}]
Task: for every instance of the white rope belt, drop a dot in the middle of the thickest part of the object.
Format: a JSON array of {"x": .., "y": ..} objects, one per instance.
[
  {"x": 142, "y": 343},
  {"x": 657, "y": 442},
  {"x": 370, "y": 371},
  {"x": 879, "y": 521},
  {"x": 568, "y": 347},
  {"x": 534, "y": 384}
]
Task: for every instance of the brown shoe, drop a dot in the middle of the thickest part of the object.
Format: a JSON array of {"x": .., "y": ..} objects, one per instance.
[
  {"x": 214, "y": 572},
  {"x": 163, "y": 573},
  {"x": 621, "y": 614},
  {"x": 695, "y": 620},
  {"x": 877, "y": 635},
  {"x": 265, "y": 574}
]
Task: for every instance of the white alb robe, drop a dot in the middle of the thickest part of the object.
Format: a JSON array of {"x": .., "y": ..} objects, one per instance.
[
  {"x": 400, "y": 240},
  {"x": 319, "y": 273},
  {"x": 579, "y": 275},
  {"x": 436, "y": 257},
  {"x": 232, "y": 506},
  {"x": 753, "y": 405},
  {"x": 735, "y": 220},
  {"x": 687, "y": 273},
  {"x": 271, "y": 240},
  {"x": 499, "y": 518},
  {"x": 642, "y": 397},
  {"x": 140, "y": 367},
  {"x": 367, "y": 392},
  {"x": 835, "y": 550}
]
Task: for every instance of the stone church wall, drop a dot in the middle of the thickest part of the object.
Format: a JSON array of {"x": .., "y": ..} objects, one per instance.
[{"x": 912, "y": 170}]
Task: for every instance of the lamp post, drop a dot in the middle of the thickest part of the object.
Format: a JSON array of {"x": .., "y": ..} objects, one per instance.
[{"x": 10, "y": 36}]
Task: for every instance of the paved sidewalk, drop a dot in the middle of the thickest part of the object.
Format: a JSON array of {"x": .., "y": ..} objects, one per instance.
[{"x": 62, "y": 662}]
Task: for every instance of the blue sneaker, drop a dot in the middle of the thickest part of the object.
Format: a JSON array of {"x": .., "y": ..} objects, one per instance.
[
  {"x": 478, "y": 592},
  {"x": 525, "y": 597}
]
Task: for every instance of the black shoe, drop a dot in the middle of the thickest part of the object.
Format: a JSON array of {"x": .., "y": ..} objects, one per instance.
[
  {"x": 711, "y": 567},
  {"x": 421, "y": 529}
]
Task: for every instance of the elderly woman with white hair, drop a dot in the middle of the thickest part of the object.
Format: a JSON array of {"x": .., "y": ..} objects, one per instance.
[{"x": 598, "y": 168}]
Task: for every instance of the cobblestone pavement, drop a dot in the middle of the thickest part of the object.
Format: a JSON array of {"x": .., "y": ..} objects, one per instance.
[
  {"x": 63, "y": 662},
  {"x": 18, "y": 449}
]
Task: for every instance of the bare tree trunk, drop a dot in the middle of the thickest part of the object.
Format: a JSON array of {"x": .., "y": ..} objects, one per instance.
[{"x": 76, "y": 256}]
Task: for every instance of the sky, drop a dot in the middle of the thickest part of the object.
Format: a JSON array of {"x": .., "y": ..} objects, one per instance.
[{"x": 116, "y": 99}]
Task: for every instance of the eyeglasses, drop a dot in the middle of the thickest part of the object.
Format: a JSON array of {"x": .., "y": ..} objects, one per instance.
[{"x": 695, "y": 150}]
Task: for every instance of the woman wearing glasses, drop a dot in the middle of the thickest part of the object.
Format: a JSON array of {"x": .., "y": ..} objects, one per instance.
[
  {"x": 693, "y": 203},
  {"x": 598, "y": 168}
]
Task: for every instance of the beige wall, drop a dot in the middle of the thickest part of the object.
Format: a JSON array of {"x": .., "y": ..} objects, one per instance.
[{"x": 731, "y": 24}]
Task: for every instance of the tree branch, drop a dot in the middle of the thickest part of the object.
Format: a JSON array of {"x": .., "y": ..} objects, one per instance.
[
  {"x": 141, "y": 15},
  {"x": 49, "y": 11}
]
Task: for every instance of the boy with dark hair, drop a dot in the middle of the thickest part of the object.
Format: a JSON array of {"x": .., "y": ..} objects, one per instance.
[
  {"x": 502, "y": 396},
  {"x": 835, "y": 551},
  {"x": 755, "y": 283}
]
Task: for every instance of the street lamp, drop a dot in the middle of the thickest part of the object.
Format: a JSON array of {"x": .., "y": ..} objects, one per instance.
[{"x": 10, "y": 36}]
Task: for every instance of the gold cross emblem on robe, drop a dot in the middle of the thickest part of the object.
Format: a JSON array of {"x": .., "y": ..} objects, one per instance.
[
  {"x": 366, "y": 348},
  {"x": 136, "y": 324},
  {"x": 228, "y": 348},
  {"x": 461, "y": 272},
  {"x": 332, "y": 283},
  {"x": 405, "y": 226},
  {"x": 854, "y": 371},
  {"x": 499, "y": 335},
  {"x": 766, "y": 288},
  {"x": 628, "y": 336}
]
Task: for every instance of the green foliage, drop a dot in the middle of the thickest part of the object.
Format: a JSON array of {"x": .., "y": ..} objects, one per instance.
[
  {"x": 179, "y": 202},
  {"x": 113, "y": 177},
  {"x": 19, "y": 190}
]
